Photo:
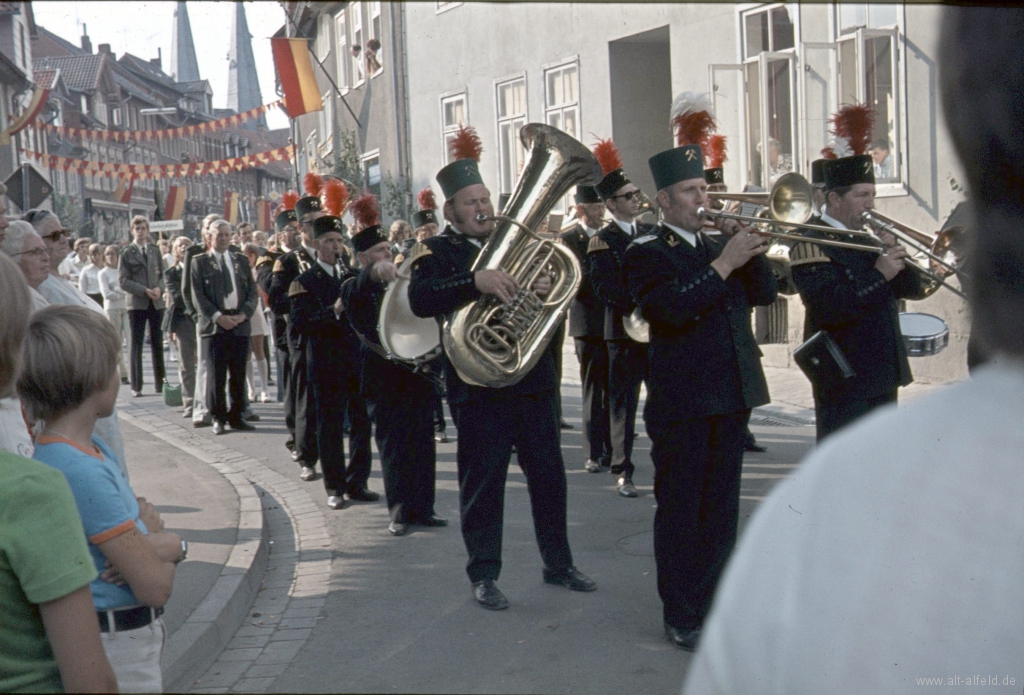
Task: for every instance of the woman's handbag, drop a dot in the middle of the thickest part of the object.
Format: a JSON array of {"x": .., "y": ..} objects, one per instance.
[{"x": 172, "y": 395}]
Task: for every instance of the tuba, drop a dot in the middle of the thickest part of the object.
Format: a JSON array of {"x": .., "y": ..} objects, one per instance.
[
  {"x": 405, "y": 337},
  {"x": 494, "y": 344}
]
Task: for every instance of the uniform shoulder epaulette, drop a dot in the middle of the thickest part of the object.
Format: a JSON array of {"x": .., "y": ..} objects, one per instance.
[
  {"x": 597, "y": 244},
  {"x": 263, "y": 260},
  {"x": 805, "y": 252},
  {"x": 278, "y": 266},
  {"x": 645, "y": 239},
  {"x": 295, "y": 288}
]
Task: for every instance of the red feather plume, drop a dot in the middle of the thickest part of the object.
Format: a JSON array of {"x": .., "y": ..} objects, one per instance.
[
  {"x": 365, "y": 210},
  {"x": 335, "y": 197},
  {"x": 425, "y": 199},
  {"x": 466, "y": 144},
  {"x": 313, "y": 183},
  {"x": 693, "y": 127},
  {"x": 715, "y": 151},
  {"x": 829, "y": 153},
  {"x": 607, "y": 155},
  {"x": 288, "y": 200},
  {"x": 854, "y": 123}
]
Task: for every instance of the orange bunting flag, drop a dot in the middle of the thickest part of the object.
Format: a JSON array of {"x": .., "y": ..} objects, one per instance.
[
  {"x": 123, "y": 193},
  {"x": 231, "y": 207},
  {"x": 175, "y": 204},
  {"x": 301, "y": 94}
]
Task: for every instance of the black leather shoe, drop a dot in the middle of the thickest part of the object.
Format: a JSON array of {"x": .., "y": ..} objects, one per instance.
[
  {"x": 124, "y": 380},
  {"x": 290, "y": 445},
  {"x": 441, "y": 438},
  {"x": 752, "y": 445},
  {"x": 397, "y": 528},
  {"x": 564, "y": 425},
  {"x": 488, "y": 596},
  {"x": 335, "y": 501},
  {"x": 592, "y": 466},
  {"x": 309, "y": 473},
  {"x": 295, "y": 456},
  {"x": 617, "y": 470},
  {"x": 136, "y": 394},
  {"x": 364, "y": 495},
  {"x": 683, "y": 637},
  {"x": 434, "y": 521},
  {"x": 627, "y": 488},
  {"x": 218, "y": 428},
  {"x": 242, "y": 426},
  {"x": 250, "y": 417},
  {"x": 571, "y": 578}
]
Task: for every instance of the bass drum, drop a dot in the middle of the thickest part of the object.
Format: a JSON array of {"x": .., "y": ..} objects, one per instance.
[
  {"x": 923, "y": 334},
  {"x": 405, "y": 336}
]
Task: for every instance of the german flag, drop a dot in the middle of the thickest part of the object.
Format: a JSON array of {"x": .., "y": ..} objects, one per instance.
[
  {"x": 231, "y": 207},
  {"x": 175, "y": 204},
  {"x": 123, "y": 193},
  {"x": 301, "y": 94}
]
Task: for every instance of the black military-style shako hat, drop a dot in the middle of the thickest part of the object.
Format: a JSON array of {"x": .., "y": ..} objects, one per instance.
[
  {"x": 714, "y": 176},
  {"x": 326, "y": 224},
  {"x": 428, "y": 205},
  {"x": 285, "y": 218},
  {"x": 611, "y": 166},
  {"x": 677, "y": 164},
  {"x": 465, "y": 149},
  {"x": 817, "y": 172},
  {"x": 313, "y": 184},
  {"x": 423, "y": 217},
  {"x": 368, "y": 238},
  {"x": 585, "y": 195},
  {"x": 852, "y": 125}
]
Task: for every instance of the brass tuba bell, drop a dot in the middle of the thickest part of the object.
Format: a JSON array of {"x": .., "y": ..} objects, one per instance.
[{"x": 494, "y": 344}]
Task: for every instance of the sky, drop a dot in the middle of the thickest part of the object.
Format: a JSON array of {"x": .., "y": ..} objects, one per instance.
[{"x": 140, "y": 28}]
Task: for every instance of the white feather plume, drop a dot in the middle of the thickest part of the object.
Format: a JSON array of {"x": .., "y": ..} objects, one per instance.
[{"x": 691, "y": 101}]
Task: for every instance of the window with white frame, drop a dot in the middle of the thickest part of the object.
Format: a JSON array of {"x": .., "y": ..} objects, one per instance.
[
  {"x": 342, "y": 59},
  {"x": 326, "y": 128},
  {"x": 453, "y": 115},
  {"x": 355, "y": 46},
  {"x": 371, "y": 172},
  {"x": 510, "y": 97},
  {"x": 562, "y": 108},
  {"x": 869, "y": 73},
  {"x": 770, "y": 93},
  {"x": 374, "y": 59},
  {"x": 322, "y": 44}
]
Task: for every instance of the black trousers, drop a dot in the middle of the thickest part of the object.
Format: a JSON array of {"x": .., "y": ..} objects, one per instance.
[
  {"x": 284, "y": 387},
  {"x": 137, "y": 320},
  {"x": 334, "y": 397},
  {"x": 229, "y": 353},
  {"x": 627, "y": 369},
  {"x": 697, "y": 466},
  {"x": 304, "y": 404},
  {"x": 404, "y": 430},
  {"x": 488, "y": 428},
  {"x": 832, "y": 416},
  {"x": 593, "y": 356},
  {"x": 439, "y": 423}
]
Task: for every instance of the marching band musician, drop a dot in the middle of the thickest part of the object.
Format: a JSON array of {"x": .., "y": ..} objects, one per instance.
[
  {"x": 287, "y": 225},
  {"x": 586, "y": 326},
  {"x": 424, "y": 226},
  {"x": 399, "y": 399},
  {"x": 331, "y": 349},
  {"x": 300, "y": 406},
  {"x": 696, "y": 291},
  {"x": 627, "y": 359},
  {"x": 853, "y": 294},
  {"x": 493, "y": 420}
]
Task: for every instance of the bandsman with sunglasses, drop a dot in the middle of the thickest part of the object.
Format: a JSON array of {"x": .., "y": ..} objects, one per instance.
[{"x": 627, "y": 359}]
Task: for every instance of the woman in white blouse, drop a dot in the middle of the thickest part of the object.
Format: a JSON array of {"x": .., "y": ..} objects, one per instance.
[
  {"x": 114, "y": 301},
  {"x": 88, "y": 280}
]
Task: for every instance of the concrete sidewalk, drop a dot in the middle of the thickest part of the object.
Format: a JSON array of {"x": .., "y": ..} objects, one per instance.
[{"x": 221, "y": 517}]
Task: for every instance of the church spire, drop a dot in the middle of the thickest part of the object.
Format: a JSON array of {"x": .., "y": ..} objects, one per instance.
[
  {"x": 184, "y": 66},
  {"x": 243, "y": 83}
]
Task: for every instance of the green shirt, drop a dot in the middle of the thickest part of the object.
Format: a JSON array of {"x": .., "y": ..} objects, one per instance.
[{"x": 43, "y": 557}]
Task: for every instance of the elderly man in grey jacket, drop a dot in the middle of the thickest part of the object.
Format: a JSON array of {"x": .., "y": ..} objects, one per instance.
[{"x": 141, "y": 275}]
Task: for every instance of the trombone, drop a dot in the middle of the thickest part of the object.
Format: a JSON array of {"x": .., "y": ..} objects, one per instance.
[{"x": 789, "y": 205}]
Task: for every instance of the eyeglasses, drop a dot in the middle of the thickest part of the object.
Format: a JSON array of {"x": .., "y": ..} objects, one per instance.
[
  {"x": 56, "y": 236},
  {"x": 629, "y": 196},
  {"x": 38, "y": 253}
]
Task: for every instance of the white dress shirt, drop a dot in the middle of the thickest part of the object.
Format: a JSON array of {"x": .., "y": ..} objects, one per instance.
[
  {"x": 628, "y": 228},
  {"x": 833, "y": 222},
  {"x": 331, "y": 270},
  {"x": 310, "y": 250}
]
